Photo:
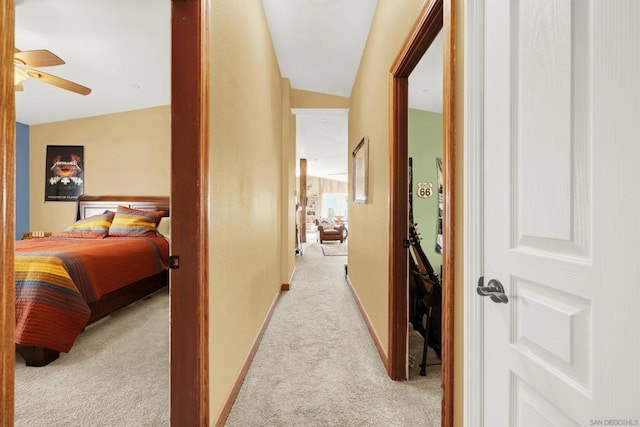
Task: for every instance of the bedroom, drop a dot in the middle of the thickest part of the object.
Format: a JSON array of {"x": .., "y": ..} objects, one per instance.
[
  {"x": 125, "y": 152},
  {"x": 144, "y": 171}
]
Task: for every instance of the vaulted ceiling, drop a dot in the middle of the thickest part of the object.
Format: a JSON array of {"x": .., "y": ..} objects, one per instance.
[{"x": 121, "y": 50}]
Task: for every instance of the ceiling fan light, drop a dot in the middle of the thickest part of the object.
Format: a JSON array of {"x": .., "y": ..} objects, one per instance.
[{"x": 19, "y": 76}]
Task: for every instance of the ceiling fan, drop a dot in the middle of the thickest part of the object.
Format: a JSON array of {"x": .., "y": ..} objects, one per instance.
[{"x": 23, "y": 60}]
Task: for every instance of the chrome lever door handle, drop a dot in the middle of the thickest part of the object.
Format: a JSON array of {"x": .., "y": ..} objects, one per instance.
[{"x": 493, "y": 290}]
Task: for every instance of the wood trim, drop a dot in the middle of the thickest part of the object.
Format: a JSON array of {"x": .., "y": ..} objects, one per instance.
[
  {"x": 228, "y": 404},
  {"x": 360, "y": 195},
  {"x": 160, "y": 200},
  {"x": 449, "y": 186},
  {"x": 367, "y": 320},
  {"x": 286, "y": 286},
  {"x": 303, "y": 200},
  {"x": 398, "y": 229},
  {"x": 189, "y": 207},
  {"x": 7, "y": 226},
  {"x": 436, "y": 15},
  {"x": 422, "y": 34},
  {"x": 88, "y": 205}
]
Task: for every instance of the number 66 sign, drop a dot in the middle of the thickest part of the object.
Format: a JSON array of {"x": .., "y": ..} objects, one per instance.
[{"x": 425, "y": 189}]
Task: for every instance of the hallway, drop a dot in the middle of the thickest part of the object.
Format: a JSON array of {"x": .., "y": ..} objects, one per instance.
[{"x": 317, "y": 364}]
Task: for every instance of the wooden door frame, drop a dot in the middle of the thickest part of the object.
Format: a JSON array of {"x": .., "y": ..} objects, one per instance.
[
  {"x": 189, "y": 303},
  {"x": 7, "y": 225},
  {"x": 435, "y": 16},
  {"x": 190, "y": 210}
]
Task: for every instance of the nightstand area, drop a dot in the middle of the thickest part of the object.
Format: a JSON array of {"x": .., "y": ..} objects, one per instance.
[{"x": 36, "y": 234}]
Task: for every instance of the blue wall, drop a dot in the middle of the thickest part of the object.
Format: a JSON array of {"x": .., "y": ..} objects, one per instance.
[{"x": 22, "y": 179}]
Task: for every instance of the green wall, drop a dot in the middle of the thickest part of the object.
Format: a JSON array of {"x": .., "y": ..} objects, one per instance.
[{"x": 425, "y": 144}]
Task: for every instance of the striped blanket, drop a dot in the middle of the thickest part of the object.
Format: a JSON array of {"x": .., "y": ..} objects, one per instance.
[{"x": 57, "y": 278}]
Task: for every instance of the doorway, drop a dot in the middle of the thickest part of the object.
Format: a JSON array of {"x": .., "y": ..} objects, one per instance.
[
  {"x": 189, "y": 305},
  {"x": 436, "y": 16}
]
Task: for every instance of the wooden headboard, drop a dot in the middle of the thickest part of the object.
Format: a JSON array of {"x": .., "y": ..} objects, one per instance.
[{"x": 94, "y": 205}]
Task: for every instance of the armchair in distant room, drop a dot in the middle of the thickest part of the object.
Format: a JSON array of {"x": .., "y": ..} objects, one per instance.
[{"x": 330, "y": 231}]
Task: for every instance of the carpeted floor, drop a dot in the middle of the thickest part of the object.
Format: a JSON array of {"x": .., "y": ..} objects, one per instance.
[
  {"x": 116, "y": 374},
  {"x": 317, "y": 364},
  {"x": 334, "y": 249}
]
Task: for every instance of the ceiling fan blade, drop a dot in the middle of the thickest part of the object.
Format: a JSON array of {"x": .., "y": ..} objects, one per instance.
[
  {"x": 19, "y": 87},
  {"x": 58, "y": 81},
  {"x": 37, "y": 58}
]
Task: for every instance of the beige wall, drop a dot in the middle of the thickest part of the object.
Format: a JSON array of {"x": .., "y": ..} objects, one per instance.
[
  {"x": 245, "y": 167},
  {"x": 125, "y": 153},
  {"x": 308, "y": 99},
  {"x": 369, "y": 115}
]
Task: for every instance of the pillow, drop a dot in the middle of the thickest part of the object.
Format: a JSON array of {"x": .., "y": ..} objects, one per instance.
[
  {"x": 164, "y": 227},
  {"x": 130, "y": 222},
  {"x": 94, "y": 227}
]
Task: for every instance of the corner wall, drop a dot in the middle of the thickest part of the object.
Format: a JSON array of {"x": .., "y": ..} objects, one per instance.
[
  {"x": 125, "y": 153},
  {"x": 246, "y": 190},
  {"x": 288, "y": 186},
  {"x": 314, "y": 100},
  {"x": 369, "y": 115}
]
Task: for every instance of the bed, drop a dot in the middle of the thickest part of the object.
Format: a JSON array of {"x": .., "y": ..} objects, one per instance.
[{"x": 110, "y": 257}]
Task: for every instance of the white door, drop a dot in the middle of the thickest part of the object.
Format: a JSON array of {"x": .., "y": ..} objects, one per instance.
[{"x": 562, "y": 212}]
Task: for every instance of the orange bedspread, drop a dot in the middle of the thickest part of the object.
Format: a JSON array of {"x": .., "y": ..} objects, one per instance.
[{"x": 56, "y": 278}]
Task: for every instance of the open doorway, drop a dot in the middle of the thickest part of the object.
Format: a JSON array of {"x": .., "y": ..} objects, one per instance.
[
  {"x": 189, "y": 403},
  {"x": 425, "y": 144},
  {"x": 321, "y": 143},
  {"x": 437, "y": 15}
]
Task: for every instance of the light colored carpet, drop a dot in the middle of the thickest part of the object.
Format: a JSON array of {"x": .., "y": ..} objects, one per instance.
[
  {"x": 317, "y": 364},
  {"x": 116, "y": 374},
  {"x": 334, "y": 249}
]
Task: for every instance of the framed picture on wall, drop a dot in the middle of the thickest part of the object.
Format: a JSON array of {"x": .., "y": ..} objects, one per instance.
[
  {"x": 64, "y": 173},
  {"x": 360, "y": 180}
]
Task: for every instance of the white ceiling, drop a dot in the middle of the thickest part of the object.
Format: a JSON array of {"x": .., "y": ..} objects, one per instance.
[
  {"x": 319, "y": 44},
  {"x": 121, "y": 50},
  {"x": 118, "y": 48},
  {"x": 321, "y": 138},
  {"x": 425, "y": 81}
]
